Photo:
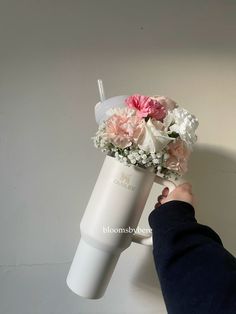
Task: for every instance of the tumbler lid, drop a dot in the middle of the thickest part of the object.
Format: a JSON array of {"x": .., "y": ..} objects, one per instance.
[{"x": 102, "y": 107}]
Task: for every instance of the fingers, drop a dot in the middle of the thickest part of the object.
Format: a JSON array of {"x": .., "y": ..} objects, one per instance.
[
  {"x": 157, "y": 205},
  {"x": 182, "y": 192},
  {"x": 165, "y": 191},
  {"x": 161, "y": 197}
]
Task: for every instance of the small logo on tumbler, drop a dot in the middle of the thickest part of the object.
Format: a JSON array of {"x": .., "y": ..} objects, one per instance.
[{"x": 124, "y": 181}]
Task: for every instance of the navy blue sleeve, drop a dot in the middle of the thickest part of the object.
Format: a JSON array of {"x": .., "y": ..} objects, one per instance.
[{"x": 197, "y": 274}]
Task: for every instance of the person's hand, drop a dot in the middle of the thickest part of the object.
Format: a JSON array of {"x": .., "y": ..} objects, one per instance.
[{"x": 182, "y": 192}]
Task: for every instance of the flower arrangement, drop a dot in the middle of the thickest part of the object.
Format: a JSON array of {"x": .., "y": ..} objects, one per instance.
[{"x": 149, "y": 132}]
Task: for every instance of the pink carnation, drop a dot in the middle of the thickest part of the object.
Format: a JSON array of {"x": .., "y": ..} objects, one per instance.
[
  {"x": 147, "y": 106},
  {"x": 123, "y": 129},
  {"x": 178, "y": 156}
]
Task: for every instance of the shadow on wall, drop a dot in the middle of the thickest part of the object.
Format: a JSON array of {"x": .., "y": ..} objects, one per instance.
[{"x": 212, "y": 172}]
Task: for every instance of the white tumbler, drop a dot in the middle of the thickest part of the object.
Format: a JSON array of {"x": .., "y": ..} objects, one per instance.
[{"x": 116, "y": 203}]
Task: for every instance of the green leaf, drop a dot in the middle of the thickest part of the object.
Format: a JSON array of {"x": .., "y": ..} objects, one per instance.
[{"x": 174, "y": 135}]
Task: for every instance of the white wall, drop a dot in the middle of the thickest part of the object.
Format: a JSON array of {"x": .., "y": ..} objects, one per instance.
[{"x": 51, "y": 54}]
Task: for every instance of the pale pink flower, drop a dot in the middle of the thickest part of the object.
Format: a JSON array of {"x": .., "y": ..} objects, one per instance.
[
  {"x": 123, "y": 129},
  {"x": 178, "y": 156},
  {"x": 147, "y": 106},
  {"x": 167, "y": 102}
]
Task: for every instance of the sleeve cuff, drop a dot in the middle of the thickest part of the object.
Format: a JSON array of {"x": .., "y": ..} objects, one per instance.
[{"x": 169, "y": 214}]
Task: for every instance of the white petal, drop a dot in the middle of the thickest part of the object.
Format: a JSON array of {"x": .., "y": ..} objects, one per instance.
[{"x": 153, "y": 140}]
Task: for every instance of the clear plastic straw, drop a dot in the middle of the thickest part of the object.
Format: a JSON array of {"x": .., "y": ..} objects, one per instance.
[{"x": 101, "y": 90}]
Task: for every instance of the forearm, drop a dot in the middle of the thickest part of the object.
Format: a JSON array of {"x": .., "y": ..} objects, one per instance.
[{"x": 194, "y": 269}]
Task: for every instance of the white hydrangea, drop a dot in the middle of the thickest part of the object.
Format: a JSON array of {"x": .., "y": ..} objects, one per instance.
[{"x": 183, "y": 123}]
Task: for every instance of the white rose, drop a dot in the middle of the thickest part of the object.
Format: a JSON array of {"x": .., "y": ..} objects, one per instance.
[{"x": 154, "y": 138}]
